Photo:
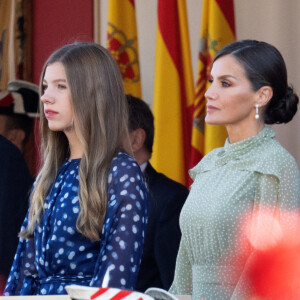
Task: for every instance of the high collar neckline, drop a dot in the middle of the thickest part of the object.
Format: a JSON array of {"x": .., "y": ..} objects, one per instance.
[{"x": 251, "y": 142}]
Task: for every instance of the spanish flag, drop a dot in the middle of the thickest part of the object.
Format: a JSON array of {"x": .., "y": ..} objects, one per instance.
[
  {"x": 122, "y": 43},
  {"x": 173, "y": 91},
  {"x": 217, "y": 30}
]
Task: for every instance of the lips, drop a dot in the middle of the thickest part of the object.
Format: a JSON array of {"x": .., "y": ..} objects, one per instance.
[
  {"x": 50, "y": 113},
  {"x": 211, "y": 108}
]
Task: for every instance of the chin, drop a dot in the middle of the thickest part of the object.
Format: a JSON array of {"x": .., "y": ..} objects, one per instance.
[
  {"x": 212, "y": 121},
  {"x": 52, "y": 127}
]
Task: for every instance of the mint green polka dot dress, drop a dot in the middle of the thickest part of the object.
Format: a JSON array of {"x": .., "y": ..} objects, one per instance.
[{"x": 230, "y": 181}]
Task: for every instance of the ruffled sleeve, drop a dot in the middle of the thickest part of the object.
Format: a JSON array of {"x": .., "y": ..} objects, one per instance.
[
  {"x": 207, "y": 163},
  {"x": 278, "y": 194}
]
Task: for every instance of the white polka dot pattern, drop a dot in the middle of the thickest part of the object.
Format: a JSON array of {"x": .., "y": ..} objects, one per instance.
[
  {"x": 229, "y": 182},
  {"x": 63, "y": 256}
]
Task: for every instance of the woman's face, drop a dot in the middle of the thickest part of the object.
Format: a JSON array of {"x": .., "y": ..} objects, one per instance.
[
  {"x": 230, "y": 98},
  {"x": 57, "y": 99}
]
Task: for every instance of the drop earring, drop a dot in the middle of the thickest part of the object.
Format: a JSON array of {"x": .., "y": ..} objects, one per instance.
[{"x": 256, "y": 112}]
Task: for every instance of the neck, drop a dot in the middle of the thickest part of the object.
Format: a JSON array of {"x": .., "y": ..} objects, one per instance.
[
  {"x": 141, "y": 156},
  {"x": 76, "y": 149},
  {"x": 240, "y": 133}
]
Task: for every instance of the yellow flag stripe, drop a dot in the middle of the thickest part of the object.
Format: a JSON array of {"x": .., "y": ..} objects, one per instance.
[{"x": 168, "y": 148}]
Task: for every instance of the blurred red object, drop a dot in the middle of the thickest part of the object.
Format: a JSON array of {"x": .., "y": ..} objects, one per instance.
[
  {"x": 274, "y": 269},
  {"x": 275, "y": 273}
]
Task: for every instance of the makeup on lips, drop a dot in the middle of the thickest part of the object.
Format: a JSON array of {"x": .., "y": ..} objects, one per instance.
[
  {"x": 211, "y": 108},
  {"x": 50, "y": 113}
]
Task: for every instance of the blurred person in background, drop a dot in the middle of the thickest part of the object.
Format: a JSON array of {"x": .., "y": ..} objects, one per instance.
[
  {"x": 17, "y": 107},
  {"x": 166, "y": 200}
]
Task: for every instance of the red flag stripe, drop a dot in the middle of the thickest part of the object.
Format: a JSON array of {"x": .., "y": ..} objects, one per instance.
[
  {"x": 121, "y": 295},
  {"x": 168, "y": 22},
  {"x": 226, "y": 7},
  {"x": 168, "y": 15},
  {"x": 99, "y": 292},
  {"x": 168, "y": 25},
  {"x": 132, "y": 2}
]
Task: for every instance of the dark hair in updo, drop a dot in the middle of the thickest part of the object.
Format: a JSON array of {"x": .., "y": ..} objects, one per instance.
[{"x": 263, "y": 66}]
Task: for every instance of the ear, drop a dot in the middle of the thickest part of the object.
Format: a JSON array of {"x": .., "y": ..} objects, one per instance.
[
  {"x": 265, "y": 94},
  {"x": 137, "y": 139}
]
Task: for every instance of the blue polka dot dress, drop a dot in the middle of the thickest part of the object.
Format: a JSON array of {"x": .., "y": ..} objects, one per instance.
[{"x": 59, "y": 255}]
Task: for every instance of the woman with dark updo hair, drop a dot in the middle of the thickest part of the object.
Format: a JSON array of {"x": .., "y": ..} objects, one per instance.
[{"x": 250, "y": 175}]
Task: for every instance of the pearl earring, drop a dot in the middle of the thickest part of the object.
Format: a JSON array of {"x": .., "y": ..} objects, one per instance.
[{"x": 256, "y": 112}]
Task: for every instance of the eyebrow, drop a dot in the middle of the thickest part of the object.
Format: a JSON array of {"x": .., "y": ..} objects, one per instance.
[
  {"x": 225, "y": 76},
  {"x": 56, "y": 80}
]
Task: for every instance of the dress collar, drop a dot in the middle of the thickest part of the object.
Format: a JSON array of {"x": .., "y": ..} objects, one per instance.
[
  {"x": 249, "y": 143},
  {"x": 236, "y": 150}
]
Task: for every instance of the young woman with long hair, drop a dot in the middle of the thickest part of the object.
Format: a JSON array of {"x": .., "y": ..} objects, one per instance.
[{"x": 88, "y": 210}]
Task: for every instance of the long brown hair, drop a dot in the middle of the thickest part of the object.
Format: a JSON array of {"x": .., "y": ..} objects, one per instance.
[{"x": 100, "y": 122}]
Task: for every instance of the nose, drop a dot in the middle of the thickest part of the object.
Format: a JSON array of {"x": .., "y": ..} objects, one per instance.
[
  {"x": 210, "y": 94},
  {"x": 47, "y": 98}
]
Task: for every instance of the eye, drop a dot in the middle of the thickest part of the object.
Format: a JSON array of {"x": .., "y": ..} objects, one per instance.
[
  {"x": 61, "y": 86},
  {"x": 225, "y": 83},
  {"x": 210, "y": 80},
  {"x": 44, "y": 87}
]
